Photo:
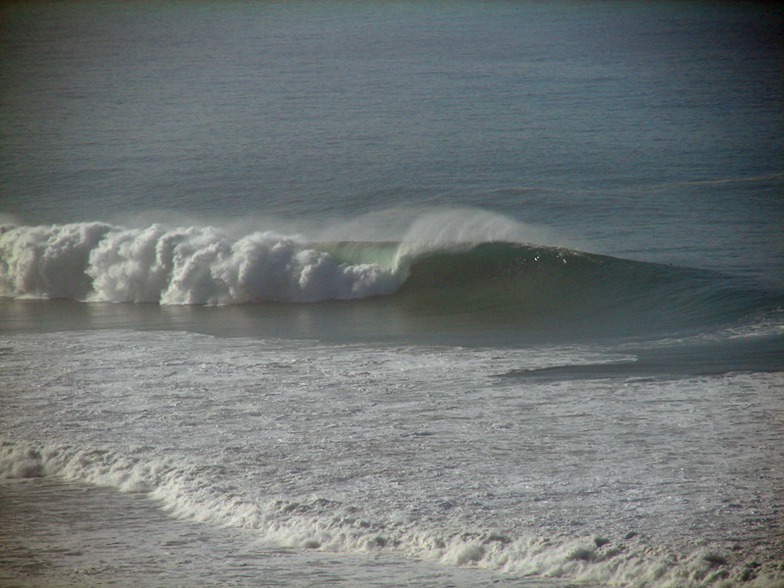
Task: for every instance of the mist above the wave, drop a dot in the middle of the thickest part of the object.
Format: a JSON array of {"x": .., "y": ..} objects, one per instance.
[
  {"x": 416, "y": 230},
  {"x": 407, "y": 225}
]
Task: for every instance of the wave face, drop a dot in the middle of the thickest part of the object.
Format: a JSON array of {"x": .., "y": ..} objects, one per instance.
[{"x": 526, "y": 283}]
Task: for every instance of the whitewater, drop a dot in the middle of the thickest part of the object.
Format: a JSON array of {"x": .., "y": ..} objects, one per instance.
[
  {"x": 423, "y": 452},
  {"x": 97, "y": 262}
]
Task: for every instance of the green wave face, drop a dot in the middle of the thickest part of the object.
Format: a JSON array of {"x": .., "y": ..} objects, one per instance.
[{"x": 529, "y": 290}]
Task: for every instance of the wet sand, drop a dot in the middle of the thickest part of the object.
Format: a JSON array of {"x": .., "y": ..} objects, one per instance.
[{"x": 57, "y": 534}]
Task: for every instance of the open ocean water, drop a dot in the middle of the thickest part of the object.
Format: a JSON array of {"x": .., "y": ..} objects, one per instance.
[{"x": 391, "y": 293}]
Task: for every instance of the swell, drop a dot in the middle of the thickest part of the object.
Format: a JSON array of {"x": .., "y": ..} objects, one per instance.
[{"x": 565, "y": 293}]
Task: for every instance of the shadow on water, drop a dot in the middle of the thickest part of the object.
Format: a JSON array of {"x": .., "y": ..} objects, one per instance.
[{"x": 741, "y": 354}]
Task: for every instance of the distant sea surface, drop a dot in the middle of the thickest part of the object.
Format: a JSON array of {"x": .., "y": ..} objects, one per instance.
[{"x": 391, "y": 293}]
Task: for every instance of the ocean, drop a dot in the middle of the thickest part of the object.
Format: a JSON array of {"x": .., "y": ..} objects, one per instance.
[{"x": 337, "y": 293}]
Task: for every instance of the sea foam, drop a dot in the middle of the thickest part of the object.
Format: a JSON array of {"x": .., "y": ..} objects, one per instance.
[
  {"x": 185, "y": 491},
  {"x": 190, "y": 265}
]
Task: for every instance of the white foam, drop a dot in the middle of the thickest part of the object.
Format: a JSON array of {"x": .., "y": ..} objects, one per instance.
[
  {"x": 48, "y": 261},
  {"x": 185, "y": 492},
  {"x": 190, "y": 265},
  {"x": 416, "y": 451}
]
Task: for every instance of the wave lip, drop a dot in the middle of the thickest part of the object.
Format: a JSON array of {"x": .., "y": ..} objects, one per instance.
[{"x": 192, "y": 265}]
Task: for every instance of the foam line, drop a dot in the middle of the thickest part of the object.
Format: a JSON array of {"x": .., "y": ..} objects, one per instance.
[{"x": 189, "y": 492}]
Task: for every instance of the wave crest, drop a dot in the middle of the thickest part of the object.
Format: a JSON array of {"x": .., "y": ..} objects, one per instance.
[{"x": 192, "y": 265}]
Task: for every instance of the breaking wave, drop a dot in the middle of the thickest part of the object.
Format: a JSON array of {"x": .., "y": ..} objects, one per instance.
[
  {"x": 194, "y": 492},
  {"x": 192, "y": 265},
  {"x": 493, "y": 282}
]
